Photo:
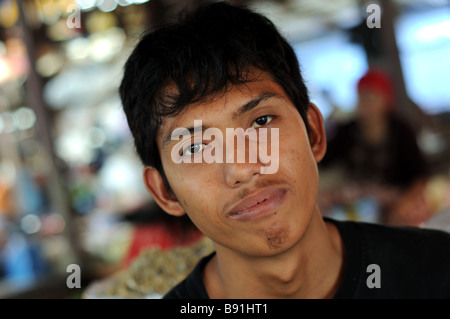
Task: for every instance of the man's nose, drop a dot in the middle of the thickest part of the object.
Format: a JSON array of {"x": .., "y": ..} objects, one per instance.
[
  {"x": 241, "y": 161},
  {"x": 237, "y": 174}
]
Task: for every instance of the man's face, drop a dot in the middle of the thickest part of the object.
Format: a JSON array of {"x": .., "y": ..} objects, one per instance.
[
  {"x": 233, "y": 203},
  {"x": 371, "y": 105}
]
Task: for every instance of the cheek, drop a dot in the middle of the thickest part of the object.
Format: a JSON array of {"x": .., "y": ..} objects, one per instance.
[
  {"x": 296, "y": 154},
  {"x": 299, "y": 164},
  {"x": 188, "y": 184},
  {"x": 196, "y": 193}
]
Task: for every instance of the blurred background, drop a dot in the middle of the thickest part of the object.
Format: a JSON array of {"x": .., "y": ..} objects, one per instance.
[{"x": 71, "y": 190}]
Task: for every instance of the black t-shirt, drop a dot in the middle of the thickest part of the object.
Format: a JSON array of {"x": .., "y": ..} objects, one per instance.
[{"x": 413, "y": 263}]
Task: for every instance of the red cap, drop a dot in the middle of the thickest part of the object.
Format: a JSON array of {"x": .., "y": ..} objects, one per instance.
[{"x": 378, "y": 80}]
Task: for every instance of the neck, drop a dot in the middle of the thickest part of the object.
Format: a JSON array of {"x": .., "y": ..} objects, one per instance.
[{"x": 309, "y": 269}]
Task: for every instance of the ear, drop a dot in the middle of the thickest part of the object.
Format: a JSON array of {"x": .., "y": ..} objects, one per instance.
[
  {"x": 155, "y": 186},
  {"x": 317, "y": 136}
]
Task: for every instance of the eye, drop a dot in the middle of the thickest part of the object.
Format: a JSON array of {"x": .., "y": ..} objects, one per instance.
[
  {"x": 261, "y": 121},
  {"x": 194, "y": 148}
]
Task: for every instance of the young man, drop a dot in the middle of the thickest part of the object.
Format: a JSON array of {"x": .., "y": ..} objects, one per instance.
[{"x": 222, "y": 81}]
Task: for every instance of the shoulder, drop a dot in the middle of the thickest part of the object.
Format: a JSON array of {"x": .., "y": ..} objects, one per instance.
[
  {"x": 404, "y": 242},
  {"x": 192, "y": 286},
  {"x": 178, "y": 292},
  {"x": 403, "y": 233},
  {"x": 414, "y": 262}
]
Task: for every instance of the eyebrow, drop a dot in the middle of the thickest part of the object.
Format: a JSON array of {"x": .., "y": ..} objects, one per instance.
[
  {"x": 178, "y": 131},
  {"x": 250, "y": 105}
]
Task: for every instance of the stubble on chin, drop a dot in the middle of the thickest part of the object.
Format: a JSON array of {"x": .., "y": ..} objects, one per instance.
[{"x": 276, "y": 236}]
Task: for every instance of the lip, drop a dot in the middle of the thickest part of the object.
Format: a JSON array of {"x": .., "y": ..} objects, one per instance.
[{"x": 259, "y": 204}]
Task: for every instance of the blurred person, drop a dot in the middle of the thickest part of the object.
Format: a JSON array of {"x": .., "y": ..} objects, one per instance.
[
  {"x": 379, "y": 157},
  {"x": 230, "y": 67}
]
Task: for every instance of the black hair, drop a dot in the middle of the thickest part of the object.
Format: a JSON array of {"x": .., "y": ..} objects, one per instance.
[{"x": 201, "y": 55}]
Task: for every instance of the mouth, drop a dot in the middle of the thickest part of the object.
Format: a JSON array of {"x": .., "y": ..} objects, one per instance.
[{"x": 262, "y": 203}]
